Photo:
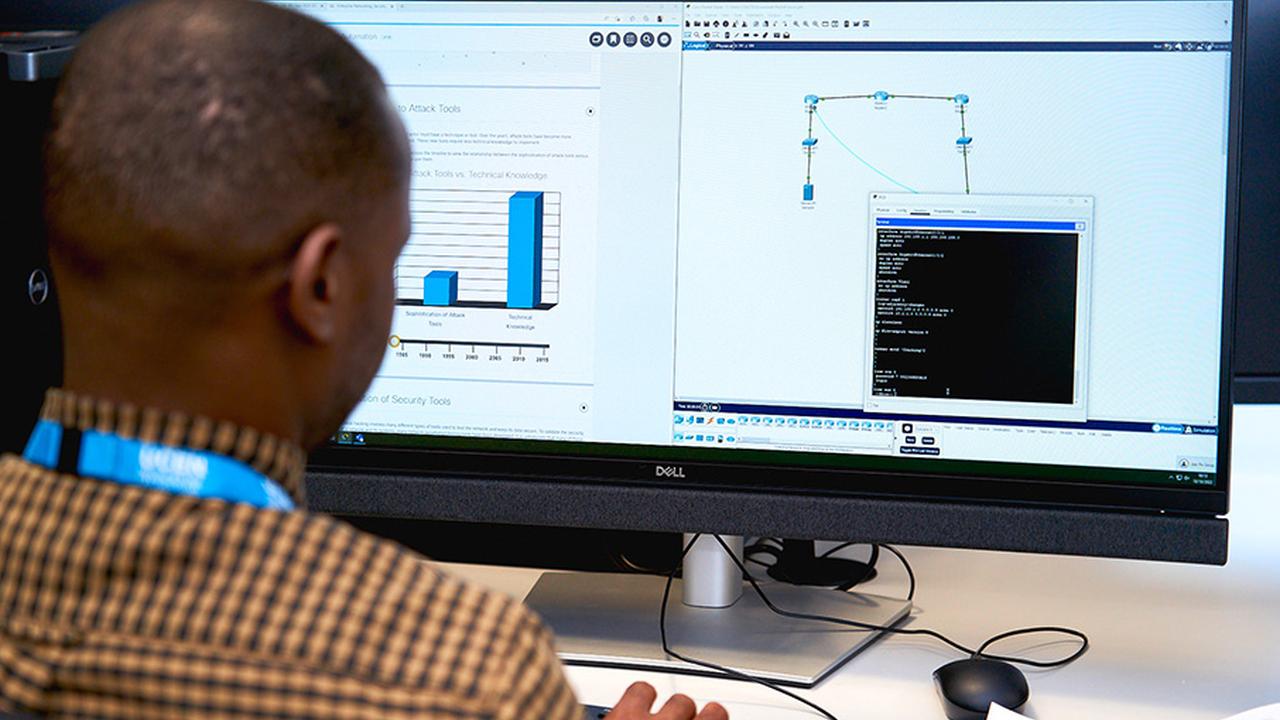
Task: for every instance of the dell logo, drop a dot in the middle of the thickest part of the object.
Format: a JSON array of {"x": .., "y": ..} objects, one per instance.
[{"x": 671, "y": 471}]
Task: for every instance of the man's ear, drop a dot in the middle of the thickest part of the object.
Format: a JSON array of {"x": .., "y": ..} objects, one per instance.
[{"x": 315, "y": 283}]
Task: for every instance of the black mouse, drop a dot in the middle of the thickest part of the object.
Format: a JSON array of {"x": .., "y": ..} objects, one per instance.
[{"x": 968, "y": 687}]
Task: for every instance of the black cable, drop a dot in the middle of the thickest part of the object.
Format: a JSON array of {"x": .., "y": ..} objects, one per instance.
[
  {"x": 980, "y": 652},
  {"x": 754, "y": 550},
  {"x": 1084, "y": 639},
  {"x": 1084, "y": 646},
  {"x": 837, "y": 549},
  {"x": 773, "y": 548},
  {"x": 662, "y": 630},
  {"x": 762, "y": 547},
  {"x": 911, "y": 576},
  {"x": 621, "y": 561},
  {"x": 871, "y": 562}
]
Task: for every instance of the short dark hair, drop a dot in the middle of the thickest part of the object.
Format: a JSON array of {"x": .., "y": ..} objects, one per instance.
[{"x": 206, "y": 136}]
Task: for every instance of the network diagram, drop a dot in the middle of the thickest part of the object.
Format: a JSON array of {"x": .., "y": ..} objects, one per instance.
[{"x": 963, "y": 143}]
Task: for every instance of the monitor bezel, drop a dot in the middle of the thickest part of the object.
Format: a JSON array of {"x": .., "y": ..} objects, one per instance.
[{"x": 368, "y": 462}]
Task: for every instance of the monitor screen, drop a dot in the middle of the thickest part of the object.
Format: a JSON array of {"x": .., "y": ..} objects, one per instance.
[{"x": 909, "y": 240}]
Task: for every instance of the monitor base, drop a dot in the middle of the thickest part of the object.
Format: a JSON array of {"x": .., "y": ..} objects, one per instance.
[{"x": 611, "y": 620}]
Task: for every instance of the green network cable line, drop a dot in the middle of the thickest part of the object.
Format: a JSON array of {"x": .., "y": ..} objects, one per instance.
[{"x": 963, "y": 143}]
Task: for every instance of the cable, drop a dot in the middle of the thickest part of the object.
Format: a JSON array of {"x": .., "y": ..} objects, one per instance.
[
  {"x": 980, "y": 652},
  {"x": 662, "y": 630},
  {"x": 870, "y": 562},
  {"x": 622, "y": 562},
  {"x": 762, "y": 547},
  {"x": 773, "y": 547},
  {"x": 837, "y": 549},
  {"x": 1084, "y": 639},
  {"x": 911, "y": 576}
]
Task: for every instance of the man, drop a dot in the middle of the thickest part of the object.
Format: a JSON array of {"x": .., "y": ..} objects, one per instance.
[{"x": 227, "y": 194}]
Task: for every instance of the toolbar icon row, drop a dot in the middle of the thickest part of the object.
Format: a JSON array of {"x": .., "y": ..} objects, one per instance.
[{"x": 630, "y": 39}]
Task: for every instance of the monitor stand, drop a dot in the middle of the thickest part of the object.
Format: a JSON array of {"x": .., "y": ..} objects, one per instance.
[{"x": 611, "y": 620}]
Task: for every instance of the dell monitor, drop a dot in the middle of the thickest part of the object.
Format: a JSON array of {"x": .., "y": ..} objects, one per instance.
[{"x": 943, "y": 273}]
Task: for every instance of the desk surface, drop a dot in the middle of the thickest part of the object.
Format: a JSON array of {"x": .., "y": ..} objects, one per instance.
[{"x": 1169, "y": 642}]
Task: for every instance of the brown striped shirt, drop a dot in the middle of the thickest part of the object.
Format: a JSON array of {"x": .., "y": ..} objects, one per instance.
[{"x": 119, "y": 601}]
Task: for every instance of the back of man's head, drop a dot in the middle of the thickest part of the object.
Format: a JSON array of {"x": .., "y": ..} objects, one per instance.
[
  {"x": 209, "y": 131},
  {"x": 195, "y": 147}
]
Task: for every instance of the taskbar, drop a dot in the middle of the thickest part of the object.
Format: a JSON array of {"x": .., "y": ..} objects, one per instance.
[
  {"x": 505, "y": 449},
  {"x": 782, "y": 414}
]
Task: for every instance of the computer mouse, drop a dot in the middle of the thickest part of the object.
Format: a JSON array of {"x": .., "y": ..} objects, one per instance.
[{"x": 968, "y": 687}]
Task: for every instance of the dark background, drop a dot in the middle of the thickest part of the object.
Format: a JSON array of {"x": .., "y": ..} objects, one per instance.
[
  {"x": 1007, "y": 306},
  {"x": 1257, "y": 338}
]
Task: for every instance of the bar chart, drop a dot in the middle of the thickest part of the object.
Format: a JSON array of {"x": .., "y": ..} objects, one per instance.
[{"x": 482, "y": 249}]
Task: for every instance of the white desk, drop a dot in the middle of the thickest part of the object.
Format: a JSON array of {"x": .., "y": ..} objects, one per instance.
[{"x": 1169, "y": 642}]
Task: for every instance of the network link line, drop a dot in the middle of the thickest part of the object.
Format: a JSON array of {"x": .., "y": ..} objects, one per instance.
[{"x": 963, "y": 143}]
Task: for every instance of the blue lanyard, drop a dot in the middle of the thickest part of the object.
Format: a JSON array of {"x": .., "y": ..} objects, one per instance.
[{"x": 176, "y": 470}]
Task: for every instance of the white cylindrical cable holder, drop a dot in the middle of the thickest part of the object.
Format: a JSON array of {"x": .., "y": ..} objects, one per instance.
[{"x": 711, "y": 578}]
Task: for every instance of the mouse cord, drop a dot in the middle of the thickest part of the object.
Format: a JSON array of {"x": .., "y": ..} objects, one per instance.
[
  {"x": 979, "y": 652},
  {"x": 735, "y": 674}
]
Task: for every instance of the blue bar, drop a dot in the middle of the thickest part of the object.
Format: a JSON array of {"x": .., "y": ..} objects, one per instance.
[
  {"x": 524, "y": 250},
  {"x": 790, "y": 410},
  {"x": 947, "y": 46},
  {"x": 989, "y": 224},
  {"x": 499, "y": 24},
  {"x": 808, "y": 191},
  {"x": 440, "y": 287}
]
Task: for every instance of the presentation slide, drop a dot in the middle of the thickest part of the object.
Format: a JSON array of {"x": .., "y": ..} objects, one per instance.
[{"x": 498, "y": 274}]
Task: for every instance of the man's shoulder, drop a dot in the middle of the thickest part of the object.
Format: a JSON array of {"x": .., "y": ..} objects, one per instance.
[
  {"x": 375, "y": 609},
  {"x": 366, "y": 607},
  {"x": 293, "y": 588}
]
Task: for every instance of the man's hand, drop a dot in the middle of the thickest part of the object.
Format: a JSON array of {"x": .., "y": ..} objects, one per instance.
[{"x": 637, "y": 702}]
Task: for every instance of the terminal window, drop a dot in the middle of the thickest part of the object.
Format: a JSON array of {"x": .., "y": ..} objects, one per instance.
[{"x": 980, "y": 301}]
